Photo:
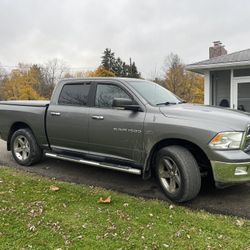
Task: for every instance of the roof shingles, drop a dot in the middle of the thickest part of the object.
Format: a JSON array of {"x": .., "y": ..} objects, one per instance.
[{"x": 235, "y": 57}]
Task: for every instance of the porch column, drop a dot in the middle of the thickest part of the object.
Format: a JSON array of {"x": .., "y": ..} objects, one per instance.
[{"x": 207, "y": 88}]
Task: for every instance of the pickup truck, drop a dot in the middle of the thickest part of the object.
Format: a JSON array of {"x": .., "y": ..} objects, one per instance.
[{"x": 134, "y": 126}]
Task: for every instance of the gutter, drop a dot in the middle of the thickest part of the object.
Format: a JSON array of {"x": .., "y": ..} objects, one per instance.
[{"x": 202, "y": 67}]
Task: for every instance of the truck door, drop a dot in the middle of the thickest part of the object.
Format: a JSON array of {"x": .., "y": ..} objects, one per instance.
[
  {"x": 115, "y": 132},
  {"x": 67, "y": 120}
]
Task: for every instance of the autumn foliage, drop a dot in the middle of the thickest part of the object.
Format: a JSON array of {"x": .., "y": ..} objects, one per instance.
[
  {"x": 185, "y": 84},
  {"x": 33, "y": 82},
  {"x": 100, "y": 72}
]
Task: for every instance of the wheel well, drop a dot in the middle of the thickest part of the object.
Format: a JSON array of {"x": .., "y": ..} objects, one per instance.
[
  {"x": 196, "y": 151},
  {"x": 16, "y": 126}
]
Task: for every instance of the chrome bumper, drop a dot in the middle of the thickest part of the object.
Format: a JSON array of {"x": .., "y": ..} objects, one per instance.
[{"x": 227, "y": 173}]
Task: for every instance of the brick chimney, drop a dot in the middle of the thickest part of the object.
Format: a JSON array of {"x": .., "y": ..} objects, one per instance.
[{"x": 217, "y": 50}]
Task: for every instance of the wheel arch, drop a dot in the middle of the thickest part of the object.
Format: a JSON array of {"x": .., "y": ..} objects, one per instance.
[
  {"x": 198, "y": 153},
  {"x": 16, "y": 126}
]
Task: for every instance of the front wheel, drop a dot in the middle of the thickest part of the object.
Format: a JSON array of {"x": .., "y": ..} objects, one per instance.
[
  {"x": 178, "y": 173},
  {"x": 24, "y": 147}
]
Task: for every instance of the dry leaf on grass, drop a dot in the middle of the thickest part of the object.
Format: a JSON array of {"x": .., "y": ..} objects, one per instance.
[
  {"x": 54, "y": 188},
  {"x": 240, "y": 222},
  {"x": 105, "y": 201}
]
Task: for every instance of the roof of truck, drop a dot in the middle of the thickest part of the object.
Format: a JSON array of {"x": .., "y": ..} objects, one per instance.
[{"x": 100, "y": 78}]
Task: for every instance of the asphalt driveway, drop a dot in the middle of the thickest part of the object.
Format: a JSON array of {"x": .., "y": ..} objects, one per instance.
[{"x": 233, "y": 200}]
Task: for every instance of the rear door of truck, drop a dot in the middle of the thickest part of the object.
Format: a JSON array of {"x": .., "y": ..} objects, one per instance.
[{"x": 67, "y": 120}]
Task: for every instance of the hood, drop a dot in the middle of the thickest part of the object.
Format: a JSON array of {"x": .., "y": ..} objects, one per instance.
[{"x": 210, "y": 115}]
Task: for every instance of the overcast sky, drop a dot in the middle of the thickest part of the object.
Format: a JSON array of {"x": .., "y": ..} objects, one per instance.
[{"x": 77, "y": 31}]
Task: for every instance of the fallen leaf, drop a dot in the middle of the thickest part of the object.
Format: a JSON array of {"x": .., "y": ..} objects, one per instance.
[
  {"x": 171, "y": 206},
  {"x": 240, "y": 222},
  {"x": 105, "y": 201},
  {"x": 54, "y": 188}
]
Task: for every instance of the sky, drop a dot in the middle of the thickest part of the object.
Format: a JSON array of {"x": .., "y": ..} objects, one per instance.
[{"x": 78, "y": 31}]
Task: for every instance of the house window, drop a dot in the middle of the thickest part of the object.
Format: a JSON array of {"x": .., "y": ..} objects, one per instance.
[
  {"x": 221, "y": 87},
  {"x": 241, "y": 72}
]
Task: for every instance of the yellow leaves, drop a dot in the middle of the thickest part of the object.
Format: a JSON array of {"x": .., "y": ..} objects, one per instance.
[
  {"x": 187, "y": 85},
  {"x": 240, "y": 222},
  {"x": 100, "y": 72},
  {"x": 54, "y": 188},
  {"x": 21, "y": 85},
  {"x": 105, "y": 201}
]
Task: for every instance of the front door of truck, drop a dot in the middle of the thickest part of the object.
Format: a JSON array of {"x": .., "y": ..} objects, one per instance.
[
  {"x": 67, "y": 121},
  {"x": 115, "y": 132}
]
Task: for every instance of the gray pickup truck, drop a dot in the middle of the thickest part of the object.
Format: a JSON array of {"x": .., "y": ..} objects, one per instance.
[{"x": 133, "y": 126}]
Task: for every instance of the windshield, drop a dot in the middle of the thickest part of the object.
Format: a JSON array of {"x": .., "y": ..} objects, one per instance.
[{"x": 154, "y": 93}]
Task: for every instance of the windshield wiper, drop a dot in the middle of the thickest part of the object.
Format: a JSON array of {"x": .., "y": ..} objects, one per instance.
[{"x": 166, "y": 103}]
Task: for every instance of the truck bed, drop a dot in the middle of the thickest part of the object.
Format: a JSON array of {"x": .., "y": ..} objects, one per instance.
[{"x": 30, "y": 113}]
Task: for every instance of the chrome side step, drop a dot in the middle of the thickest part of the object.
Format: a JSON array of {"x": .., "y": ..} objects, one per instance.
[{"x": 120, "y": 168}]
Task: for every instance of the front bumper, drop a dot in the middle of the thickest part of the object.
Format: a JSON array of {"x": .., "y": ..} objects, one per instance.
[{"x": 231, "y": 173}]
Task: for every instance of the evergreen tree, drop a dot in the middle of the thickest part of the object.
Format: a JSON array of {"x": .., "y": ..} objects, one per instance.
[
  {"x": 125, "y": 70},
  {"x": 133, "y": 73},
  {"x": 117, "y": 66},
  {"x": 108, "y": 60}
]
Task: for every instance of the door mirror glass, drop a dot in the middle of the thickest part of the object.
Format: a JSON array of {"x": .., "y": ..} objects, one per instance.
[{"x": 127, "y": 104}]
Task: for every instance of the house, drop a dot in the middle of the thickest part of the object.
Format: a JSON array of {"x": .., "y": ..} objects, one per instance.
[{"x": 227, "y": 77}]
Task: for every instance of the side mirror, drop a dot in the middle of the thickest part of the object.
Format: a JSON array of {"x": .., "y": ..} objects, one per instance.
[{"x": 126, "y": 104}]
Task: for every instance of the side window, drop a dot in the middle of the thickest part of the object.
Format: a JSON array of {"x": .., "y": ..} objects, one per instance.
[
  {"x": 105, "y": 94},
  {"x": 74, "y": 94}
]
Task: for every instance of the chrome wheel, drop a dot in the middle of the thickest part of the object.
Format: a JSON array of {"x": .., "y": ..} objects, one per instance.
[
  {"x": 21, "y": 148},
  {"x": 169, "y": 175}
]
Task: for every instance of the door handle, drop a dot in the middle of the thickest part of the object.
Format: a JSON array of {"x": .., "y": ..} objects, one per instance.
[
  {"x": 97, "y": 117},
  {"x": 55, "y": 113}
]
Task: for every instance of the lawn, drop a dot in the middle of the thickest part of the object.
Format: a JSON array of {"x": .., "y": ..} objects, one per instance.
[{"x": 40, "y": 213}]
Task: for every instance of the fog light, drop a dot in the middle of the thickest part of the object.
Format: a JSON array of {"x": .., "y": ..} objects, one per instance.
[{"x": 241, "y": 171}]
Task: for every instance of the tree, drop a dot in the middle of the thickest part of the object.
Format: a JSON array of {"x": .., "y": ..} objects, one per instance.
[
  {"x": 117, "y": 66},
  {"x": 134, "y": 72},
  {"x": 108, "y": 60},
  {"x": 185, "y": 84},
  {"x": 52, "y": 72},
  {"x": 21, "y": 84},
  {"x": 100, "y": 72},
  {"x": 3, "y": 74}
]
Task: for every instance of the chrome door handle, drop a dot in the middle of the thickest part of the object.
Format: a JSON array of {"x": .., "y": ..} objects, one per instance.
[
  {"x": 55, "y": 113},
  {"x": 97, "y": 117}
]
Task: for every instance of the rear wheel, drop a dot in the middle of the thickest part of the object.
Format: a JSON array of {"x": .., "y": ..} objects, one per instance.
[
  {"x": 178, "y": 173},
  {"x": 24, "y": 147}
]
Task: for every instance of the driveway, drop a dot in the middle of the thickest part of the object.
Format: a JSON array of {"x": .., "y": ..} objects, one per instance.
[{"x": 231, "y": 201}]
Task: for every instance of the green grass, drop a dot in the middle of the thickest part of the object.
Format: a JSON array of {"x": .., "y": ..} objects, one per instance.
[{"x": 34, "y": 217}]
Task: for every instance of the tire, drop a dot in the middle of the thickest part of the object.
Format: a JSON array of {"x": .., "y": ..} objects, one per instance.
[
  {"x": 178, "y": 173},
  {"x": 24, "y": 147}
]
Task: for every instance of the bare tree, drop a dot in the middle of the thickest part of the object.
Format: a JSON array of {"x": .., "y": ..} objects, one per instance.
[
  {"x": 3, "y": 75},
  {"x": 54, "y": 70}
]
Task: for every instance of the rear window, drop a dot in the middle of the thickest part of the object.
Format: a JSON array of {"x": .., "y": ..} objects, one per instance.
[{"x": 74, "y": 94}]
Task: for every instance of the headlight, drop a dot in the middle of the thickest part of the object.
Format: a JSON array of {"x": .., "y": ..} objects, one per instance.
[{"x": 227, "y": 140}]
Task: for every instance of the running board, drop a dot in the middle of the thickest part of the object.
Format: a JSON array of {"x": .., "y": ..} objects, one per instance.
[{"x": 120, "y": 168}]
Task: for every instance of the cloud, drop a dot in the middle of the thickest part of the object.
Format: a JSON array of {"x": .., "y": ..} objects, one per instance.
[{"x": 78, "y": 31}]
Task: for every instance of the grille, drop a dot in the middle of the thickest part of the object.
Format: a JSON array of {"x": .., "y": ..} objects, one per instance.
[{"x": 247, "y": 141}]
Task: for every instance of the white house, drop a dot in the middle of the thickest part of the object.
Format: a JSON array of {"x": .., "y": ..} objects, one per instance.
[{"x": 227, "y": 77}]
